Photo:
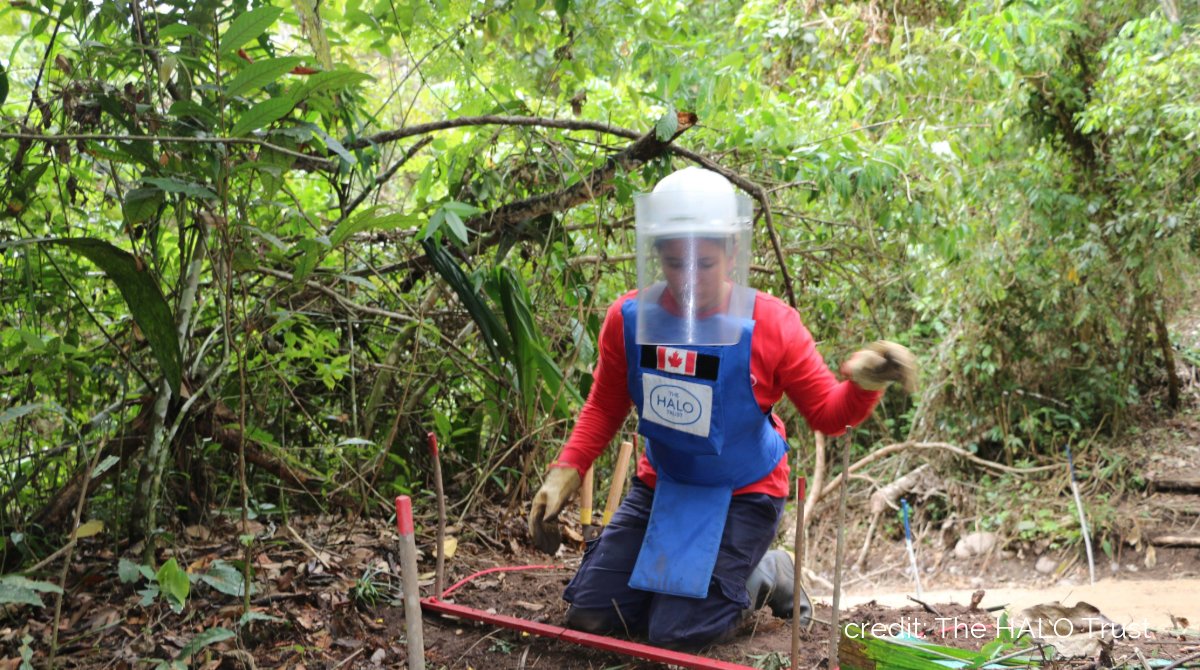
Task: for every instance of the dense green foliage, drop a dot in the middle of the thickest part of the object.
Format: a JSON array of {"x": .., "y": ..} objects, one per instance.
[{"x": 1008, "y": 188}]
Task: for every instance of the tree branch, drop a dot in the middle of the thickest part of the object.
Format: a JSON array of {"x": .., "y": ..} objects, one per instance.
[
  {"x": 764, "y": 201},
  {"x": 323, "y": 163},
  {"x": 597, "y": 183},
  {"x": 446, "y": 124}
]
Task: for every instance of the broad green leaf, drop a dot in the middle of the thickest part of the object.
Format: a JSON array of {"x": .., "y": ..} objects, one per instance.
[
  {"x": 225, "y": 578},
  {"x": 179, "y": 30},
  {"x": 138, "y": 287},
  {"x": 260, "y": 73},
  {"x": 336, "y": 147},
  {"x": 666, "y": 126},
  {"x": 18, "y": 411},
  {"x": 210, "y": 636},
  {"x": 149, "y": 595},
  {"x": 104, "y": 465},
  {"x": 489, "y": 326},
  {"x": 32, "y": 341},
  {"x": 370, "y": 220},
  {"x": 248, "y": 26},
  {"x": 461, "y": 208},
  {"x": 172, "y": 185},
  {"x": 457, "y": 227},
  {"x": 141, "y": 204},
  {"x": 185, "y": 108},
  {"x": 21, "y": 590},
  {"x": 266, "y": 112},
  {"x": 128, "y": 571},
  {"x": 3, "y": 84},
  {"x": 330, "y": 81},
  {"x": 173, "y": 583},
  {"x": 311, "y": 252}
]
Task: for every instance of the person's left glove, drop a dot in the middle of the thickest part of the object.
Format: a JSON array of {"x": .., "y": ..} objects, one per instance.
[
  {"x": 561, "y": 483},
  {"x": 881, "y": 363}
]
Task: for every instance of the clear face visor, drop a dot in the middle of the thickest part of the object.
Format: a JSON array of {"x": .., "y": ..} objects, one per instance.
[{"x": 692, "y": 278}]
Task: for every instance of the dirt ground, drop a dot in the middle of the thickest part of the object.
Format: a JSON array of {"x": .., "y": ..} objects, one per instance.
[{"x": 332, "y": 591}]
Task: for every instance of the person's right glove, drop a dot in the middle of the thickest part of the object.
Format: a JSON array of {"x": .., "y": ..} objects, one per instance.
[
  {"x": 561, "y": 483},
  {"x": 881, "y": 363}
]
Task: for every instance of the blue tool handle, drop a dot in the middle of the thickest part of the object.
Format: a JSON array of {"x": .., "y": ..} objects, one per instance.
[
  {"x": 907, "y": 527},
  {"x": 1070, "y": 462}
]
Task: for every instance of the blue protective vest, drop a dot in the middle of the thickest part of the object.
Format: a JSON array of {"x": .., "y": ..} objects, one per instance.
[{"x": 706, "y": 436}]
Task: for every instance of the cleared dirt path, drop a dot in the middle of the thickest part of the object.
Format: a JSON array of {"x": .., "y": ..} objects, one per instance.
[{"x": 1135, "y": 603}]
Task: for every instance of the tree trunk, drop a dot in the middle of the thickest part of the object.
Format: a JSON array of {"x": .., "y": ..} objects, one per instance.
[{"x": 1168, "y": 354}]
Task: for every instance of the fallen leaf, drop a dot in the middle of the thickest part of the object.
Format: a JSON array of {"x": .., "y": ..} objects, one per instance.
[
  {"x": 104, "y": 618},
  {"x": 532, "y": 607},
  {"x": 93, "y": 527},
  {"x": 1079, "y": 631},
  {"x": 449, "y": 546},
  {"x": 197, "y": 533}
]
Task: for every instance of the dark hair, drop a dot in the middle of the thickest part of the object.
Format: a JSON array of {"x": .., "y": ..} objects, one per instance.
[{"x": 723, "y": 240}]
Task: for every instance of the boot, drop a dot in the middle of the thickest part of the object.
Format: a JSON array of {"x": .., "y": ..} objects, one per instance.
[{"x": 771, "y": 583}]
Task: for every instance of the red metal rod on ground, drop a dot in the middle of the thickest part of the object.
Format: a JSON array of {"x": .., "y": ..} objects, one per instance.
[
  {"x": 503, "y": 568},
  {"x": 412, "y": 597},
  {"x": 440, "y": 572},
  {"x": 602, "y": 642}
]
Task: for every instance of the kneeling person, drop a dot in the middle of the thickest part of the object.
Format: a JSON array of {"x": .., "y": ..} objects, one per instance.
[{"x": 703, "y": 358}]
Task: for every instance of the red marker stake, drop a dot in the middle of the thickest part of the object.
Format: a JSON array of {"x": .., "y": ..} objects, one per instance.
[
  {"x": 409, "y": 578},
  {"x": 440, "y": 578}
]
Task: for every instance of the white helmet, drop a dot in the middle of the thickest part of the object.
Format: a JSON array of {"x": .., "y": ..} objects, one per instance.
[
  {"x": 692, "y": 201},
  {"x": 693, "y": 248}
]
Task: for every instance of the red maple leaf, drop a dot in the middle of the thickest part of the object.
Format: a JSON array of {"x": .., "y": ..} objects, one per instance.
[{"x": 675, "y": 360}]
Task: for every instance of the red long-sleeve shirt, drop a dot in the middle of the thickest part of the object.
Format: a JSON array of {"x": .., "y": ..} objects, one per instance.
[{"x": 783, "y": 360}]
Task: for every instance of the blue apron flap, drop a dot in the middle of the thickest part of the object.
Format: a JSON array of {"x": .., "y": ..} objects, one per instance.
[{"x": 682, "y": 539}]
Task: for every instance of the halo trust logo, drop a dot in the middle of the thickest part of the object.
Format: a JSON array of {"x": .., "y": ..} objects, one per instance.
[{"x": 675, "y": 404}]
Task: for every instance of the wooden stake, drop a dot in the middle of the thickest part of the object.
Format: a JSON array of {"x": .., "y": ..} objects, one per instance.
[
  {"x": 797, "y": 589},
  {"x": 440, "y": 574},
  {"x": 617, "y": 486},
  {"x": 409, "y": 578},
  {"x": 839, "y": 554}
]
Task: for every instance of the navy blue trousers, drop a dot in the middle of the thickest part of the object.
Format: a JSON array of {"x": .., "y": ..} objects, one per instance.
[{"x": 602, "y": 601}]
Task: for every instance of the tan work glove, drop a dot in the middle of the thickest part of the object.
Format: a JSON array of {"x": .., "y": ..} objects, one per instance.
[
  {"x": 881, "y": 363},
  {"x": 560, "y": 485}
]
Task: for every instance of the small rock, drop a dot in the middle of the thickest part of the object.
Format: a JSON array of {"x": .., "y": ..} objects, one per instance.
[
  {"x": 975, "y": 544},
  {"x": 1046, "y": 565},
  {"x": 378, "y": 656},
  {"x": 1131, "y": 567}
]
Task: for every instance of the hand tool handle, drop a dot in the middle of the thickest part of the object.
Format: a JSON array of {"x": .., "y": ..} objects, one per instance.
[
  {"x": 585, "y": 497},
  {"x": 408, "y": 574},
  {"x": 618, "y": 482}
]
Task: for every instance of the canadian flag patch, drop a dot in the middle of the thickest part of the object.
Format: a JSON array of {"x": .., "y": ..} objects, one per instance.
[{"x": 677, "y": 361}]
